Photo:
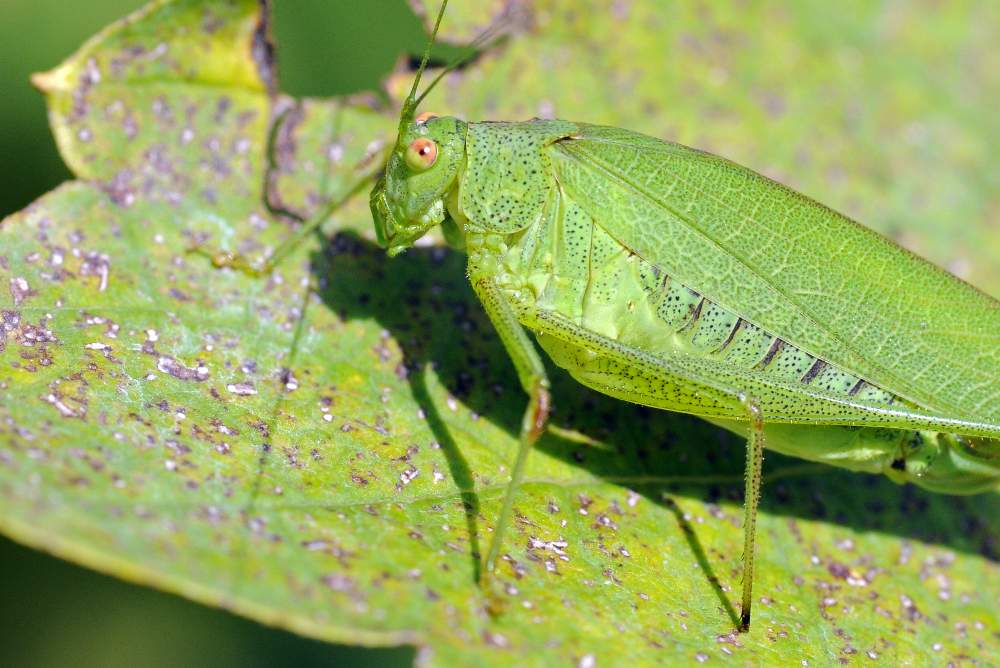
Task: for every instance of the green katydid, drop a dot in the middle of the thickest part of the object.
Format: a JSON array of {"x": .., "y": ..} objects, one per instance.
[{"x": 672, "y": 278}]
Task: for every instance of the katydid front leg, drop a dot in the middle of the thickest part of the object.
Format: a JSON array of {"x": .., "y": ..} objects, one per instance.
[
  {"x": 237, "y": 262},
  {"x": 531, "y": 373}
]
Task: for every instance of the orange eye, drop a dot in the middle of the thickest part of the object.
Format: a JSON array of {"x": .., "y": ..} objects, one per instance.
[
  {"x": 421, "y": 154},
  {"x": 425, "y": 116}
]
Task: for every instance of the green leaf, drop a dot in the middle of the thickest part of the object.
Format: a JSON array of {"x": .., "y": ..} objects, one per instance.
[{"x": 331, "y": 460}]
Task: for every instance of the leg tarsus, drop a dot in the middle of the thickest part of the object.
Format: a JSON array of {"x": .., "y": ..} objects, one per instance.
[
  {"x": 230, "y": 260},
  {"x": 752, "y": 481}
]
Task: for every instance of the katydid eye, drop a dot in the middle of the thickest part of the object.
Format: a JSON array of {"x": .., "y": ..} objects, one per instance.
[
  {"x": 425, "y": 116},
  {"x": 421, "y": 154}
]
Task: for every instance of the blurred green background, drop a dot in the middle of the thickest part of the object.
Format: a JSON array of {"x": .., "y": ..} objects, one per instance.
[{"x": 53, "y": 613}]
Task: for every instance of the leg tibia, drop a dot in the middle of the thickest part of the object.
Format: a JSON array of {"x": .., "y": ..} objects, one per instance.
[
  {"x": 755, "y": 460},
  {"x": 532, "y": 427}
]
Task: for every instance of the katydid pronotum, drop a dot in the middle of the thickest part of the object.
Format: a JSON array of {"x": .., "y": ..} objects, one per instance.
[{"x": 672, "y": 278}]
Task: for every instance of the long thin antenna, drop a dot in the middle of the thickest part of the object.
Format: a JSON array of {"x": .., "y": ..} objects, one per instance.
[
  {"x": 410, "y": 105},
  {"x": 486, "y": 40}
]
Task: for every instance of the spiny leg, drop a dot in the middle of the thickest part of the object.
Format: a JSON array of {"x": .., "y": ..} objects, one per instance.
[
  {"x": 755, "y": 460},
  {"x": 532, "y": 426},
  {"x": 531, "y": 373}
]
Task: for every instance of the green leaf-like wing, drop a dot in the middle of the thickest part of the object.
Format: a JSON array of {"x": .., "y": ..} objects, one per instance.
[{"x": 794, "y": 268}]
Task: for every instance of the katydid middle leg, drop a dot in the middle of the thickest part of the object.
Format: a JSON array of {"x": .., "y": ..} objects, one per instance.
[{"x": 531, "y": 373}]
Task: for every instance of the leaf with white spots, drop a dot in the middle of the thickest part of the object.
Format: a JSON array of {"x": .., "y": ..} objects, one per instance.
[{"x": 325, "y": 449}]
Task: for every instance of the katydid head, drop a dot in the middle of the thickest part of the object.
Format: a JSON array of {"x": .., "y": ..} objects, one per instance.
[{"x": 410, "y": 198}]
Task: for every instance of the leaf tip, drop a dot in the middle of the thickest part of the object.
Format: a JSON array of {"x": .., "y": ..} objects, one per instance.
[
  {"x": 45, "y": 82},
  {"x": 57, "y": 79}
]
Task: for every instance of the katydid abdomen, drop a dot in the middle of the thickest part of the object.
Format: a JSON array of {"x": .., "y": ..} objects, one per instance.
[
  {"x": 568, "y": 264},
  {"x": 678, "y": 321}
]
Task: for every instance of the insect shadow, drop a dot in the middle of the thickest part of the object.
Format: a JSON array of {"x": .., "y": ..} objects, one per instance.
[{"x": 424, "y": 301}]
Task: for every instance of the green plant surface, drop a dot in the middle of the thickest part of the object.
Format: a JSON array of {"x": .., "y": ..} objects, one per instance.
[{"x": 325, "y": 449}]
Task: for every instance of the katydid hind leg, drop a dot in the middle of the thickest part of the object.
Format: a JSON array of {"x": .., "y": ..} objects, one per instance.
[
  {"x": 755, "y": 460},
  {"x": 564, "y": 343}
]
